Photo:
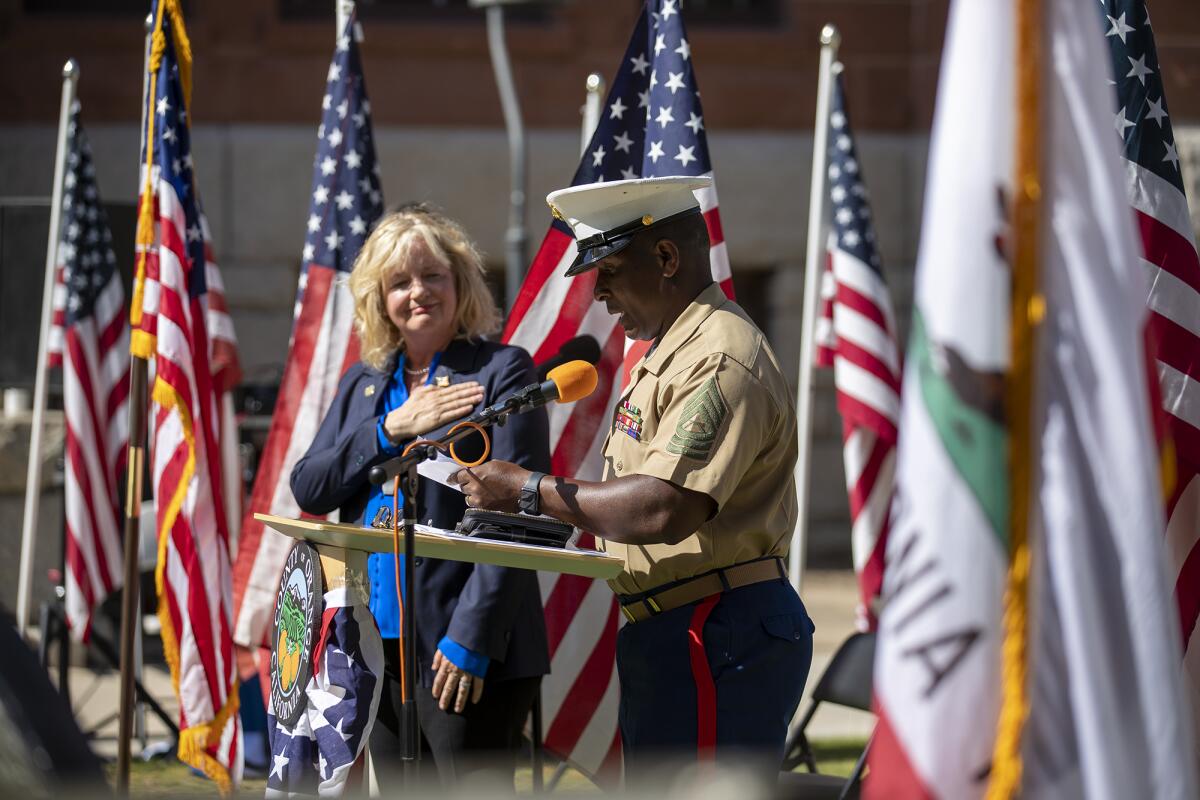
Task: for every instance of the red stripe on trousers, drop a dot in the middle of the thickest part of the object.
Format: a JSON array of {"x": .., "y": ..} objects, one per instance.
[{"x": 706, "y": 690}]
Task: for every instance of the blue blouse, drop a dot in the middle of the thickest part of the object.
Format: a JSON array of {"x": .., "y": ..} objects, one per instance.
[{"x": 381, "y": 567}]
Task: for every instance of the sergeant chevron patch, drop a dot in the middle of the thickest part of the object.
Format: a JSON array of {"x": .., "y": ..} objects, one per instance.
[{"x": 699, "y": 422}]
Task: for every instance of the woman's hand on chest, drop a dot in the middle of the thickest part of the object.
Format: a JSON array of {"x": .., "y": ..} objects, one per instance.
[{"x": 429, "y": 407}]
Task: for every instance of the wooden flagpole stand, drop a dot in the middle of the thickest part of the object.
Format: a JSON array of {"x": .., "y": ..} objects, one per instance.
[
  {"x": 129, "y": 595},
  {"x": 33, "y": 474},
  {"x": 830, "y": 39},
  {"x": 134, "y": 471}
]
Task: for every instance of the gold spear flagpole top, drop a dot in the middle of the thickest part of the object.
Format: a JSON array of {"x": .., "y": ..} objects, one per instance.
[
  {"x": 595, "y": 82},
  {"x": 71, "y": 69},
  {"x": 830, "y": 35}
]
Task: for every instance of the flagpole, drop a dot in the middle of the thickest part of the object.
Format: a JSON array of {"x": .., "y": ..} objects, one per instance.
[
  {"x": 33, "y": 474},
  {"x": 510, "y": 105},
  {"x": 1027, "y": 310},
  {"x": 591, "y": 117},
  {"x": 830, "y": 39},
  {"x": 134, "y": 471},
  {"x": 343, "y": 10},
  {"x": 591, "y": 109}
]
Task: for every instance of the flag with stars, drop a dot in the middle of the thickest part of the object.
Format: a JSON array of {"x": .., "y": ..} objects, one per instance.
[
  {"x": 89, "y": 339},
  {"x": 315, "y": 755},
  {"x": 1027, "y": 640},
  {"x": 652, "y": 125},
  {"x": 857, "y": 337},
  {"x": 172, "y": 296},
  {"x": 1155, "y": 187},
  {"x": 346, "y": 202}
]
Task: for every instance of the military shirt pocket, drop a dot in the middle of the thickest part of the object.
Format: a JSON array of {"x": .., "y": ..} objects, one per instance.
[
  {"x": 795, "y": 627},
  {"x": 626, "y": 449}
]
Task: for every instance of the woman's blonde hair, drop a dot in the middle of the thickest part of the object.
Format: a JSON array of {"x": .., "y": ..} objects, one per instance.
[{"x": 388, "y": 245}]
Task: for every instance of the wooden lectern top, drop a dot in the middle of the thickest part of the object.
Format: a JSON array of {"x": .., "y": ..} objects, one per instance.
[{"x": 450, "y": 546}]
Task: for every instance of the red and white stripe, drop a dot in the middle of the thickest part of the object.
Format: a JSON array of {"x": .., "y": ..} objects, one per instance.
[
  {"x": 94, "y": 355},
  {"x": 1173, "y": 267},
  {"x": 856, "y": 335},
  {"x": 323, "y": 346},
  {"x": 580, "y": 695},
  {"x": 193, "y": 574}
]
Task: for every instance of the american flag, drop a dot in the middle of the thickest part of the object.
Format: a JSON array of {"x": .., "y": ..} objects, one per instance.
[
  {"x": 89, "y": 339},
  {"x": 175, "y": 306},
  {"x": 346, "y": 203},
  {"x": 1155, "y": 185},
  {"x": 651, "y": 125},
  {"x": 315, "y": 755},
  {"x": 856, "y": 335}
]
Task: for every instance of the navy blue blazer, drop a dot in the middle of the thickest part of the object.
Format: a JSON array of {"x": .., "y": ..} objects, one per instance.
[{"x": 491, "y": 610}]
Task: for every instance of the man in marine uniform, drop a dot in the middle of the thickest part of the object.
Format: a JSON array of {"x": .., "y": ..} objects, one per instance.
[{"x": 697, "y": 494}]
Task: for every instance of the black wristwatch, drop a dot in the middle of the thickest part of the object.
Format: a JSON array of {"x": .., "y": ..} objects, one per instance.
[{"x": 530, "y": 501}]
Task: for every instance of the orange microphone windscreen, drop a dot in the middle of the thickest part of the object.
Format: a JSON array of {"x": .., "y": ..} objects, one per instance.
[{"x": 574, "y": 379}]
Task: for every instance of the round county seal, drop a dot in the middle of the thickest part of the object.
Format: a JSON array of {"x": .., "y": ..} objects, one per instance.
[{"x": 297, "y": 626}]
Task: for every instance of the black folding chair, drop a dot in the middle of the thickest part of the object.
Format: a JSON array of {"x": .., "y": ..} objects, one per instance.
[{"x": 845, "y": 682}]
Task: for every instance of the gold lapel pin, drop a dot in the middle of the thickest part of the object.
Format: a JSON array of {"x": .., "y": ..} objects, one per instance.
[
  {"x": 442, "y": 381},
  {"x": 370, "y": 390}
]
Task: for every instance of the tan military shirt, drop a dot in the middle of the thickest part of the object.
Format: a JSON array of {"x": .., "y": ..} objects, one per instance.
[{"x": 709, "y": 410}]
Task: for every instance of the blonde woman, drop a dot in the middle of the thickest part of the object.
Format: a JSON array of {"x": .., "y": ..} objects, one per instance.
[{"x": 421, "y": 310}]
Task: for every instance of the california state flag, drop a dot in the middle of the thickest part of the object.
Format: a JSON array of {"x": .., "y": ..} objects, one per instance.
[{"x": 1028, "y": 644}]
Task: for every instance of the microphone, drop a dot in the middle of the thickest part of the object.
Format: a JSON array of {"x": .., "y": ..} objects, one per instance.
[
  {"x": 565, "y": 383},
  {"x": 583, "y": 347}
]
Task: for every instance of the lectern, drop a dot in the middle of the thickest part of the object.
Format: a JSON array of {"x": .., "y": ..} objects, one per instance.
[{"x": 343, "y": 551}]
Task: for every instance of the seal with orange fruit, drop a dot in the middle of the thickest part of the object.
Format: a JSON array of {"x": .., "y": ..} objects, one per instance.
[{"x": 297, "y": 626}]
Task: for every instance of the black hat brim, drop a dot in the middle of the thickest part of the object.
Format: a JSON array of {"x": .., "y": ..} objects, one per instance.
[{"x": 590, "y": 256}]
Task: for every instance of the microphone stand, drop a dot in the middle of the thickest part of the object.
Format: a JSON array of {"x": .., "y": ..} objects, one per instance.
[
  {"x": 409, "y": 731},
  {"x": 406, "y": 467}
]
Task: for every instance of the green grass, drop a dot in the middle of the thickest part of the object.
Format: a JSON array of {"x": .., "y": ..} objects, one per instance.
[
  {"x": 167, "y": 777},
  {"x": 837, "y": 756}
]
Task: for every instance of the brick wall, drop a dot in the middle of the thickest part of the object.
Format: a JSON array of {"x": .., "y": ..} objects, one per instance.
[{"x": 254, "y": 66}]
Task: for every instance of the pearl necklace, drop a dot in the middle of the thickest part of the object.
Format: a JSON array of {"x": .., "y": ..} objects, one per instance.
[{"x": 416, "y": 373}]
